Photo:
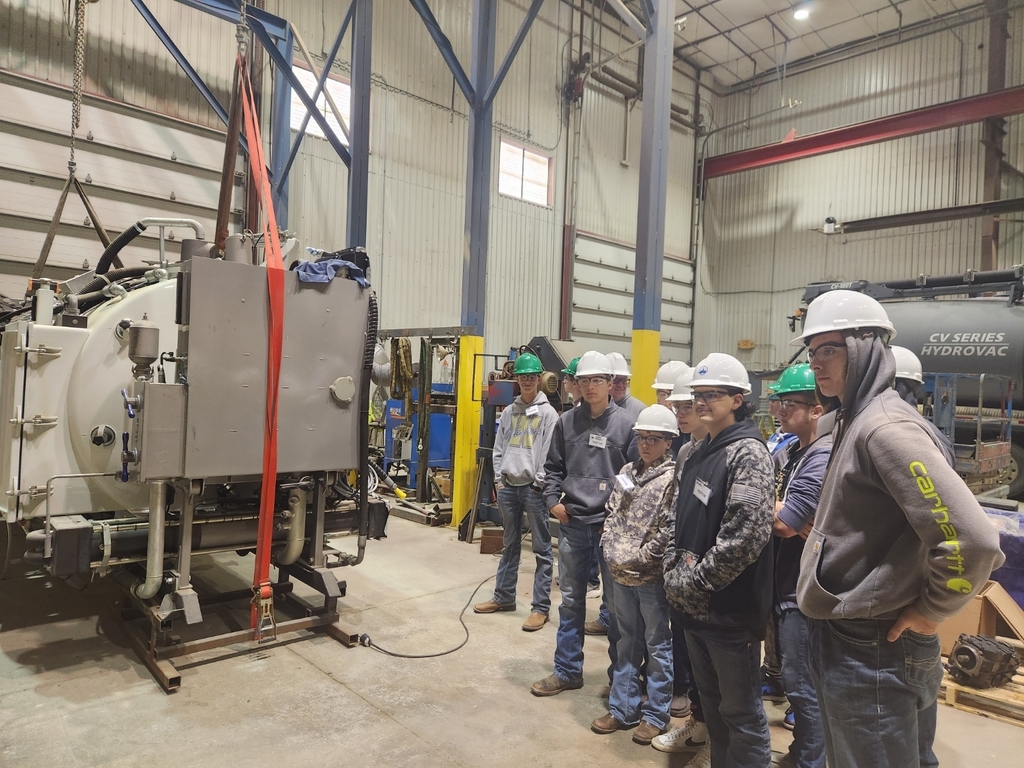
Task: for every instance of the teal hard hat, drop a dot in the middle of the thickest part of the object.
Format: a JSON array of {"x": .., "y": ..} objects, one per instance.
[
  {"x": 527, "y": 363},
  {"x": 796, "y": 378},
  {"x": 570, "y": 369}
]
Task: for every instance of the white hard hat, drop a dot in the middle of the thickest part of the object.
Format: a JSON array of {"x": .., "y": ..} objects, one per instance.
[
  {"x": 843, "y": 311},
  {"x": 720, "y": 370},
  {"x": 656, "y": 418},
  {"x": 907, "y": 364},
  {"x": 619, "y": 365},
  {"x": 668, "y": 373},
  {"x": 593, "y": 364},
  {"x": 681, "y": 391}
]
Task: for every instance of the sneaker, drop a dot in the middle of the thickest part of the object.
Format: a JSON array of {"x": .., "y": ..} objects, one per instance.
[
  {"x": 594, "y": 592},
  {"x": 595, "y": 627},
  {"x": 645, "y": 732},
  {"x": 702, "y": 759},
  {"x": 772, "y": 691},
  {"x": 553, "y": 684},
  {"x": 535, "y": 621},
  {"x": 789, "y": 720},
  {"x": 680, "y": 706},
  {"x": 608, "y": 723},
  {"x": 492, "y": 607},
  {"x": 689, "y": 738}
]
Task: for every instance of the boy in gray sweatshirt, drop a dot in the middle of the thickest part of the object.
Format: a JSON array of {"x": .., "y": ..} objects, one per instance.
[
  {"x": 520, "y": 448},
  {"x": 899, "y": 543}
]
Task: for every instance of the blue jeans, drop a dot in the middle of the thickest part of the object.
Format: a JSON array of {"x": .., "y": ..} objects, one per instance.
[
  {"x": 728, "y": 674},
  {"x": 682, "y": 671},
  {"x": 877, "y": 699},
  {"x": 513, "y": 501},
  {"x": 578, "y": 545},
  {"x": 641, "y": 614},
  {"x": 808, "y": 747}
]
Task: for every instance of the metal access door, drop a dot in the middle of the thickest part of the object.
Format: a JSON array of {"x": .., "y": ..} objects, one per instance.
[{"x": 602, "y": 300}]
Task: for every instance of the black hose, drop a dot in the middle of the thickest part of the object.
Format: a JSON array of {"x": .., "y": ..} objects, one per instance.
[
  {"x": 372, "y": 324},
  {"x": 99, "y": 283},
  {"x": 110, "y": 254},
  {"x": 978, "y": 278}
]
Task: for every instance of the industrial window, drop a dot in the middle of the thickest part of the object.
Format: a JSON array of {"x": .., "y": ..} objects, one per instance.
[
  {"x": 524, "y": 175},
  {"x": 341, "y": 92}
]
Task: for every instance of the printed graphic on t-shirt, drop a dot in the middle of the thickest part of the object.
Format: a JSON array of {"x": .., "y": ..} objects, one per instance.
[{"x": 524, "y": 429}]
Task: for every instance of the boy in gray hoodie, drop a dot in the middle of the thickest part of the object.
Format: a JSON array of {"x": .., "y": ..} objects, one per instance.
[
  {"x": 899, "y": 543},
  {"x": 520, "y": 448}
]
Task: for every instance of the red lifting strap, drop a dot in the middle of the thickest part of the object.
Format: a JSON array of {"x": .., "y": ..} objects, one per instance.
[{"x": 262, "y": 605}]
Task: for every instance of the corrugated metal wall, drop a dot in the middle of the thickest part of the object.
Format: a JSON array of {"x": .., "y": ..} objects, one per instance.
[{"x": 759, "y": 247}]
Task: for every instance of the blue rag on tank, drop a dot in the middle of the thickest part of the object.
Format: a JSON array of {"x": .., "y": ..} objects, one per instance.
[{"x": 326, "y": 270}]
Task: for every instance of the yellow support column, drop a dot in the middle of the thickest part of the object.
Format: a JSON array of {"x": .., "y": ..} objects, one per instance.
[
  {"x": 644, "y": 365},
  {"x": 467, "y": 426}
]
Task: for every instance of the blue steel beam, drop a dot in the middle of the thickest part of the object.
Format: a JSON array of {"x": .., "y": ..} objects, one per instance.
[
  {"x": 506, "y": 63},
  {"x": 281, "y": 56},
  {"x": 444, "y": 45},
  {"x": 324, "y": 74},
  {"x": 654, "y": 163},
  {"x": 359, "y": 167},
  {"x": 280, "y": 123}
]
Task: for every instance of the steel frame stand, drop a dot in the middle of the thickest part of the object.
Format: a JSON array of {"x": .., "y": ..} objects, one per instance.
[{"x": 160, "y": 646}]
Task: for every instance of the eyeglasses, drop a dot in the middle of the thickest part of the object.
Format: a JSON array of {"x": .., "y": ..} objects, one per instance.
[
  {"x": 648, "y": 439},
  {"x": 787, "y": 404},
  {"x": 683, "y": 407},
  {"x": 709, "y": 397},
  {"x": 528, "y": 376},
  {"x": 825, "y": 352},
  {"x": 591, "y": 381},
  {"x": 620, "y": 380}
]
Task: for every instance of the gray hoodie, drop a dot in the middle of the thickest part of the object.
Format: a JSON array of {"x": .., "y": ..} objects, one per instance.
[
  {"x": 631, "y": 405},
  {"x": 584, "y": 456},
  {"x": 521, "y": 445},
  {"x": 895, "y": 524}
]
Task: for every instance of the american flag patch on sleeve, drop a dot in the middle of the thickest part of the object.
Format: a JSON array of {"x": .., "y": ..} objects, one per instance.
[{"x": 744, "y": 494}]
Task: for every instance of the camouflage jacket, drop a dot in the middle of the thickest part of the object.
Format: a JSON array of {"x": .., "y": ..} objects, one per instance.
[{"x": 640, "y": 522}]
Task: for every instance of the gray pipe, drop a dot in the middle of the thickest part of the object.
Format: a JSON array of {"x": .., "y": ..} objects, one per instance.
[
  {"x": 296, "y": 528},
  {"x": 161, "y": 222},
  {"x": 155, "y": 549}
]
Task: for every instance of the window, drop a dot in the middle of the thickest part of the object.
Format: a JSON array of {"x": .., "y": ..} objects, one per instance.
[
  {"x": 341, "y": 92},
  {"x": 524, "y": 175}
]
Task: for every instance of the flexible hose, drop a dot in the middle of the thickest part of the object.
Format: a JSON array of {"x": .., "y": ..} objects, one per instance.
[
  {"x": 372, "y": 324},
  {"x": 122, "y": 240},
  {"x": 99, "y": 283}
]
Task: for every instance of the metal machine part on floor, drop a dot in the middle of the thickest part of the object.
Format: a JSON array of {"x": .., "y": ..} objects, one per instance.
[{"x": 132, "y": 436}]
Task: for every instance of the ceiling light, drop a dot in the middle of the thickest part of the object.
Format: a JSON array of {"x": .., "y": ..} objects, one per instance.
[{"x": 801, "y": 14}]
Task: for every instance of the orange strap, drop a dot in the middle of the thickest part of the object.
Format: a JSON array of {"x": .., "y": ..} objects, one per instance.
[{"x": 275, "y": 285}]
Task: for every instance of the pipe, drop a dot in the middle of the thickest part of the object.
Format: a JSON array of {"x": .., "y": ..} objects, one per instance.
[
  {"x": 296, "y": 529},
  {"x": 136, "y": 229},
  {"x": 144, "y": 590}
]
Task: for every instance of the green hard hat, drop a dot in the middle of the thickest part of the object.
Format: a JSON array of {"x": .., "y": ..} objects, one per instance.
[
  {"x": 570, "y": 369},
  {"x": 796, "y": 378},
  {"x": 527, "y": 363}
]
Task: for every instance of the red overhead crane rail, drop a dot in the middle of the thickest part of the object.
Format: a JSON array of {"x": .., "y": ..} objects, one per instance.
[{"x": 949, "y": 114}]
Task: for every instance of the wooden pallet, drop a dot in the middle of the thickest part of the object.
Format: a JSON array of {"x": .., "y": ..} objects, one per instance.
[{"x": 1005, "y": 703}]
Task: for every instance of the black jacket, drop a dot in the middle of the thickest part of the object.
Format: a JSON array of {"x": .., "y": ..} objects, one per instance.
[{"x": 719, "y": 573}]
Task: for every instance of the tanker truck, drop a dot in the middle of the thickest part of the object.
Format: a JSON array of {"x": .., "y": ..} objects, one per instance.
[{"x": 959, "y": 324}]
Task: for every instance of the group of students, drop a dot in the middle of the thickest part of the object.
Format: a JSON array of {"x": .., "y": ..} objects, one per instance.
[{"x": 845, "y": 548}]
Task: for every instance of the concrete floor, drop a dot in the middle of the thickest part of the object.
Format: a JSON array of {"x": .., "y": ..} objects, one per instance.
[{"x": 73, "y": 694}]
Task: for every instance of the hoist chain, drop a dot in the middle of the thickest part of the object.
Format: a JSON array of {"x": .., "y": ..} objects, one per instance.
[{"x": 79, "y": 76}]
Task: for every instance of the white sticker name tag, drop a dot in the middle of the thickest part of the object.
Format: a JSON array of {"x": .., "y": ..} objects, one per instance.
[
  {"x": 702, "y": 491},
  {"x": 598, "y": 441},
  {"x": 625, "y": 483},
  {"x": 533, "y": 410}
]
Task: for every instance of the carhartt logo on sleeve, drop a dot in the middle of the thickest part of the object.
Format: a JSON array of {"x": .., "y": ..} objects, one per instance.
[{"x": 940, "y": 512}]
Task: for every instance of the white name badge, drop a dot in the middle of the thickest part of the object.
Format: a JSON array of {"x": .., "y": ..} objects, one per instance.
[
  {"x": 533, "y": 410},
  {"x": 702, "y": 491},
  {"x": 625, "y": 483},
  {"x": 598, "y": 441}
]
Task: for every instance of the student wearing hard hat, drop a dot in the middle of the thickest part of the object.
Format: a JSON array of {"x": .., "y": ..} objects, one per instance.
[
  {"x": 718, "y": 570},
  {"x": 620, "y": 385},
  {"x": 798, "y": 490},
  {"x": 588, "y": 447},
  {"x": 909, "y": 374},
  {"x": 636, "y": 532},
  {"x": 665, "y": 379},
  {"x": 520, "y": 449},
  {"x": 693, "y": 734},
  {"x": 569, "y": 385},
  {"x": 898, "y": 544}
]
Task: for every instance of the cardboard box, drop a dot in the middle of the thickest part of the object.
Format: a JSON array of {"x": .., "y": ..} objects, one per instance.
[
  {"x": 491, "y": 540},
  {"x": 979, "y": 617}
]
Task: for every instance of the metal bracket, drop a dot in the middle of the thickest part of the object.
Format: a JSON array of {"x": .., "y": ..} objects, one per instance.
[
  {"x": 33, "y": 492},
  {"x": 42, "y": 350},
  {"x": 35, "y": 421}
]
